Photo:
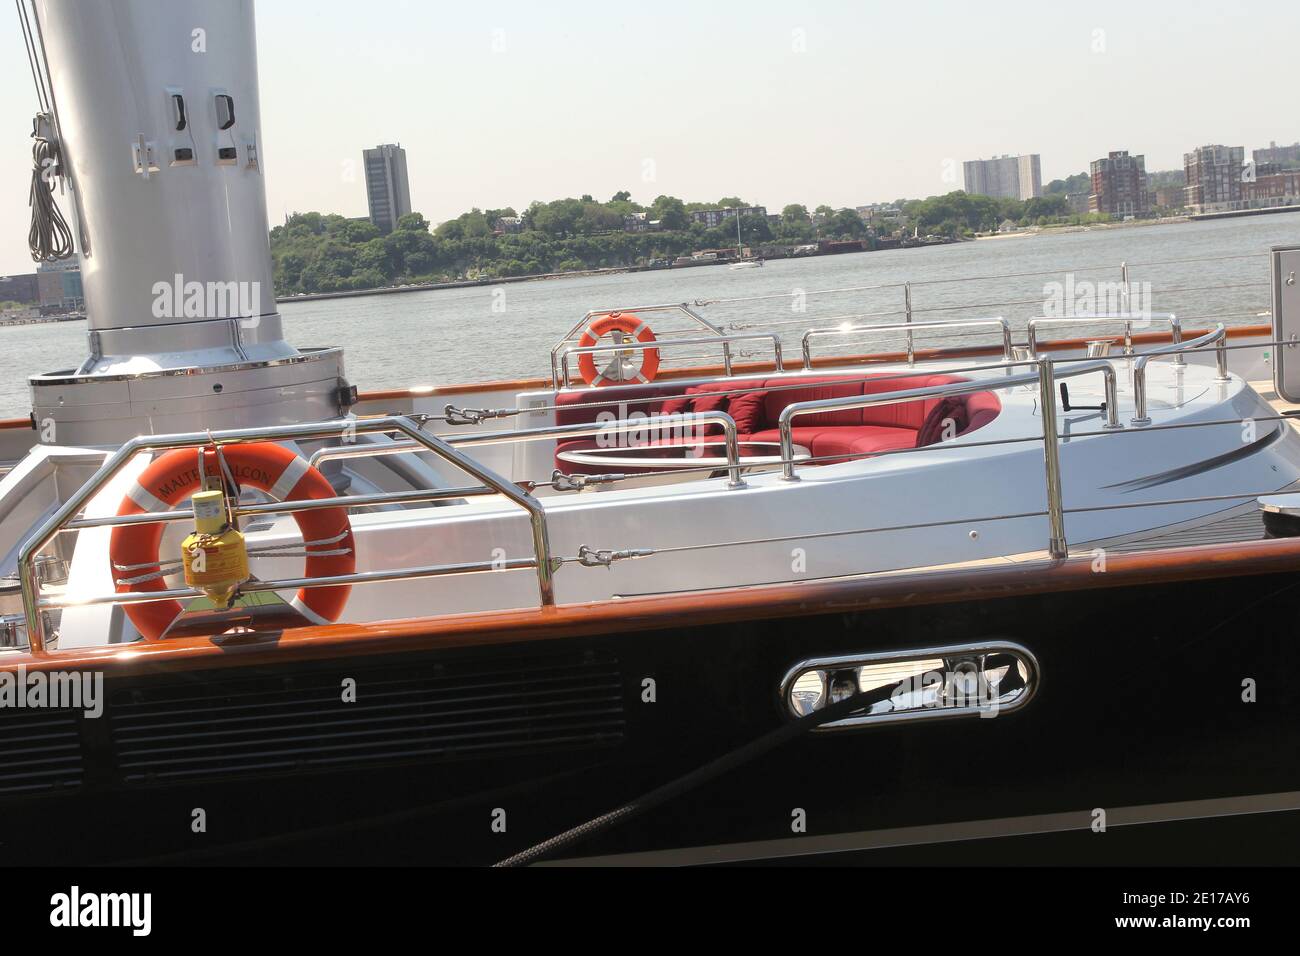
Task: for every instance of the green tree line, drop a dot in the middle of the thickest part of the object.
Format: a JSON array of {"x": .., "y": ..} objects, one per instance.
[
  {"x": 318, "y": 252},
  {"x": 963, "y": 214}
]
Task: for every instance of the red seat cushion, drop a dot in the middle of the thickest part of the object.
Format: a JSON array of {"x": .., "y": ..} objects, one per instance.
[
  {"x": 802, "y": 436},
  {"x": 864, "y": 438},
  {"x": 756, "y": 406}
]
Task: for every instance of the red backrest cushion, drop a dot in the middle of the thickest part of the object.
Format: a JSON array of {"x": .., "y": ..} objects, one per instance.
[
  {"x": 763, "y": 401},
  {"x": 898, "y": 415},
  {"x": 709, "y": 398},
  {"x": 703, "y": 401},
  {"x": 903, "y": 414},
  {"x": 748, "y": 411},
  {"x": 675, "y": 406},
  {"x": 574, "y": 408},
  {"x": 781, "y": 395}
]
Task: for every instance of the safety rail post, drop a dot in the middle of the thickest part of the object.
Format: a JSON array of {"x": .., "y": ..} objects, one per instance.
[
  {"x": 907, "y": 310},
  {"x": 1057, "y": 545},
  {"x": 1217, "y": 338}
]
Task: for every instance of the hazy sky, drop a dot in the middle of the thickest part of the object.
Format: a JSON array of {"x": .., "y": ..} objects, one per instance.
[{"x": 828, "y": 101}]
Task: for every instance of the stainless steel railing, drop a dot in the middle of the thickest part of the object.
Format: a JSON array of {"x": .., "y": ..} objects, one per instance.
[
  {"x": 492, "y": 484},
  {"x": 1044, "y": 376},
  {"x": 562, "y": 379},
  {"x": 910, "y": 328},
  {"x": 576, "y": 431},
  {"x": 579, "y": 430},
  {"x": 1217, "y": 338},
  {"x": 1111, "y": 318}
]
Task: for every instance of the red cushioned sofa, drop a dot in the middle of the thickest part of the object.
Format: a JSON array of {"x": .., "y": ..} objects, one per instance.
[{"x": 756, "y": 405}]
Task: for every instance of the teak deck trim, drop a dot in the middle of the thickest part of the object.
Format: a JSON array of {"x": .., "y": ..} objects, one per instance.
[{"x": 631, "y": 615}]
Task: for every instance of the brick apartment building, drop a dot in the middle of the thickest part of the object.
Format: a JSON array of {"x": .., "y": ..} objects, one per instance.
[
  {"x": 1119, "y": 185},
  {"x": 1272, "y": 186},
  {"x": 1215, "y": 178}
]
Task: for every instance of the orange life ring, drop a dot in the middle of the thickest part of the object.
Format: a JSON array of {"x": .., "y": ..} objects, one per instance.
[
  {"x": 173, "y": 478},
  {"x": 629, "y": 324}
]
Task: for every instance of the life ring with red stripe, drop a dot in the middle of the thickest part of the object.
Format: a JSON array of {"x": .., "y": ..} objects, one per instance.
[
  {"x": 173, "y": 478},
  {"x": 629, "y": 324}
]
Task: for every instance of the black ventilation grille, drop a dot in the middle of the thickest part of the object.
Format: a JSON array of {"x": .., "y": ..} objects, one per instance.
[
  {"x": 422, "y": 712},
  {"x": 40, "y": 750}
]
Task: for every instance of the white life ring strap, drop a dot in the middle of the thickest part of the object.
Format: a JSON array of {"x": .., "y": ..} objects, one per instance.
[
  {"x": 288, "y": 481},
  {"x": 308, "y": 613},
  {"x": 146, "y": 500}
]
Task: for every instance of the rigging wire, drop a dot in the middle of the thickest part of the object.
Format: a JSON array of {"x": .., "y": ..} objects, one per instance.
[
  {"x": 29, "y": 41},
  {"x": 49, "y": 239}
]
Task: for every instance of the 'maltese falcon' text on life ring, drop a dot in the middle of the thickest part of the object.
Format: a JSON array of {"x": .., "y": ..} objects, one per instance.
[{"x": 170, "y": 481}]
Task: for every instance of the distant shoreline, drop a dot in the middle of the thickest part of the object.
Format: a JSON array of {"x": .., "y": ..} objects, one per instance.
[
  {"x": 617, "y": 270},
  {"x": 457, "y": 284},
  {"x": 1242, "y": 213},
  {"x": 1090, "y": 227},
  {"x": 623, "y": 270}
]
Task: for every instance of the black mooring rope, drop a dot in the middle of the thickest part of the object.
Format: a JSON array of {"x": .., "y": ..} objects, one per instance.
[{"x": 698, "y": 777}]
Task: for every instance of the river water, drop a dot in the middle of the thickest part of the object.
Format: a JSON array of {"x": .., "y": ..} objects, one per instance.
[{"x": 505, "y": 332}]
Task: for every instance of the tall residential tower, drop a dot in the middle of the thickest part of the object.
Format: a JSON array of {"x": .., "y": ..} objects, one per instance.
[
  {"x": 388, "y": 189},
  {"x": 1006, "y": 177}
]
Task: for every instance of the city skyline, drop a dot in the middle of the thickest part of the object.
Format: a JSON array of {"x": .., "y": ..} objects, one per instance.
[{"x": 501, "y": 107}]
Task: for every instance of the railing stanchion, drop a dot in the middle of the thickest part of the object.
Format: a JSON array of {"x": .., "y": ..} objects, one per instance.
[
  {"x": 1218, "y": 338},
  {"x": 907, "y": 305},
  {"x": 1057, "y": 545}
]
